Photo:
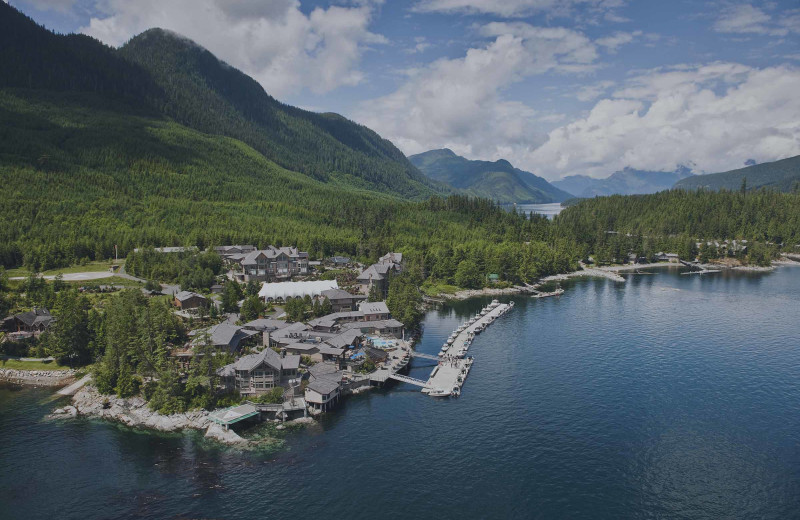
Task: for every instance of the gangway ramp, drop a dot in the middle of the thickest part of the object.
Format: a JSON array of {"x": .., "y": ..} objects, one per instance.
[
  {"x": 420, "y": 355},
  {"x": 411, "y": 380}
]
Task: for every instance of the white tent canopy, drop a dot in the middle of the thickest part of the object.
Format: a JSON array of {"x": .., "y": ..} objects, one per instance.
[{"x": 284, "y": 290}]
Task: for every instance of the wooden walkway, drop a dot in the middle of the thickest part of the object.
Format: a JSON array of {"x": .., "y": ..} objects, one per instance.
[{"x": 448, "y": 377}]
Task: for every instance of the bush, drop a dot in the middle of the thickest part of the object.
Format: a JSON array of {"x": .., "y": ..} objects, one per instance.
[{"x": 274, "y": 396}]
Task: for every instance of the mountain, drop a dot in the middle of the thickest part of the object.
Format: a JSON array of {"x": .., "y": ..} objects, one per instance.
[
  {"x": 497, "y": 180},
  {"x": 625, "y": 182},
  {"x": 783, "y": 175},
  {"x": 171, "y": 76}
]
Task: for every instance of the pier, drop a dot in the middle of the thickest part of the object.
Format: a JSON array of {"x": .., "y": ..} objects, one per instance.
[{"x": 447, "y": 378}]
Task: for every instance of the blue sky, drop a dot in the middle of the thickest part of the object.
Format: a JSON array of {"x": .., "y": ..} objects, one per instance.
[{"x": 558, "y": 87}]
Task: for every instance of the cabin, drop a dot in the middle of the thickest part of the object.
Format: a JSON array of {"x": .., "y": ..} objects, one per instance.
[
  {"x": 34, "y": 321},
  {"x": 186, "y": 300},
  {"x": 259, "y": 373},
  {"x": 322, "y": 394},
  {"x": 339, "y": 261}
]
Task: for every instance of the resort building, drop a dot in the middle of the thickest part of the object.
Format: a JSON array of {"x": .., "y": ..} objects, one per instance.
[
  {"x": 259, "y": 373},
  {"x": 268, "y": 264},
  {"x": 342, "y": 300},
  {"x": 377, "y": 275}
]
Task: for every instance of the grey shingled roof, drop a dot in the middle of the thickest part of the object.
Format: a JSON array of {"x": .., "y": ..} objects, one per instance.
[
  {"x": 323, "y": 386},
  {"x": 262, "y": 324},
  {"x": 185, "y": 295},
  {"x": 337, "y": 294},
  {"x": 373, "y": 308}
]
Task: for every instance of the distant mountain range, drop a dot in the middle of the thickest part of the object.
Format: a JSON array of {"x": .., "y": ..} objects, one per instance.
[
  {"x": 626, "y": 182},
  {"x": 783, "y": 175},
  {"x": 497, "y": 180}
]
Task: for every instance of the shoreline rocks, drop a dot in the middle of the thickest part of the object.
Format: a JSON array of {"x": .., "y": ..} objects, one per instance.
[
  {"x": 132, "y": 411},
  {"x": 37, "y": 377}
]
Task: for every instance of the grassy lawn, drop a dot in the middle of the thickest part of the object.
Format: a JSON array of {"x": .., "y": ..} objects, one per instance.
[
  {"x": 30, "y": 365},
  {"x": 111, "y": 280},
  {"x": 91, "y": 267},
  {"x": 434, "y": 289}
]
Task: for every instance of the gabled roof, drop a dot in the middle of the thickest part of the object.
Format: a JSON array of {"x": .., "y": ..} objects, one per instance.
[
  {"x": 251, "y": 361},
  {"x": 337, "y": 294},
  {"x": 272, "y": 252},
  {"x": 223, "y": 335},
  {"x": 374, "y": 272},
  {"x": 344, "y": 339},
  {"x": 35, "y": 317},
  {"x": 373, "y": 308},
  {"x": 185, "y": 295},
  {"x": 262, "y": 324},
  {"x": 392, "y": 258},
  {"x": 323, "y": 386}
]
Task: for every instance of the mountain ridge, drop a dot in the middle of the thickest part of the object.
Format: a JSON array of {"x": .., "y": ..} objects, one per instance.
[
  {"x": 498, "y": 180},
  {"x": 782, "y": 175},
  {"x": 627, "y": 181}
]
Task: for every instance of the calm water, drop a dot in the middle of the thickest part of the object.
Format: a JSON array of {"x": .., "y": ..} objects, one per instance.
[
  {"x": 669, "y": 397},
  {"x": 548, "y": 210}
]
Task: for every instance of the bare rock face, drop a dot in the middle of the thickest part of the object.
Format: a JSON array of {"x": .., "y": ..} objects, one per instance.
[
  {"x": 131, "y": 411},
  {"x": 218, "y": 433}
]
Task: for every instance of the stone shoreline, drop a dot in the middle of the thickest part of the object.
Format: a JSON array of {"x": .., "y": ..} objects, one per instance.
[
  {"x": 37, "y": 377},
  {"x": 609, "y": 272},
  {"x": 134, "y": 412}
]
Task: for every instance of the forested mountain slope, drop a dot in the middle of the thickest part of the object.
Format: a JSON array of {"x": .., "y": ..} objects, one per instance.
[
  {"x": 81, "y": 173},
  {"x": 166, "y": 74},
  {"x": 497, "y": 180},
  {"x": 783, "y": 175}
]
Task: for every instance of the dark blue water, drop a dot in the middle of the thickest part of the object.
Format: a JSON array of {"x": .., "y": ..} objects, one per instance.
[{"x": 667, "y": 397}]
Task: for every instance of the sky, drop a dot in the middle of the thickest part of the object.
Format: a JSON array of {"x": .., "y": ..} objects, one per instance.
[{"x": 557, "y": 87}]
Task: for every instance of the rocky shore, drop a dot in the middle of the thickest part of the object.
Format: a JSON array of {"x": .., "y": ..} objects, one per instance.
[
  {"x": 37, "y": 377},
  {"x": 134, "y": 412}
]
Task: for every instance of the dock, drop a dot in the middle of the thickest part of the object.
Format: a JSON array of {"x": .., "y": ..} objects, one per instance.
[{"x": 447, "y": 378}]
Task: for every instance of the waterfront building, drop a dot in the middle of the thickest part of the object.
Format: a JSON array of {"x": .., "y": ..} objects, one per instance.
[{"x": 259, "y": 373}]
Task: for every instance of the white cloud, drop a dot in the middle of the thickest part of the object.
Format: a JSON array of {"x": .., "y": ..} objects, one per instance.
[
  {"x": 714, "y": 116},
  {"x": 520, "y": 8},
  {"x": 613, "y": 42},
  {"x": 275, "y": 42},
  {"x": 748, "y": 19},
  {"x": 459, "y": 103},
  {"x": 594, "y": 91}
]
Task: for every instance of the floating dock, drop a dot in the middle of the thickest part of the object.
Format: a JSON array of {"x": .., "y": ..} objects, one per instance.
[{"x": 448, "y": 377}]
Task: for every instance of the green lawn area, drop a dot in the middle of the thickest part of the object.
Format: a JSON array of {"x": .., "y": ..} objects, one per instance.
[
  {"x": 111, "y": 280},
  {"x": 91, "y": 267},
  {"x": 30, "y": 365},
  {"x": 434, "y": 289}
]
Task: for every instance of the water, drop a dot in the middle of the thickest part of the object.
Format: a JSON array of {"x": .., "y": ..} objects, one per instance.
[
  {"x": 548, "y": 210},
  {"x": 667, "y": 397}
]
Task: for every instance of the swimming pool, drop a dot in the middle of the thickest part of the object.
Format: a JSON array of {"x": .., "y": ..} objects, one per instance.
[{"x": 382, "y": 343}]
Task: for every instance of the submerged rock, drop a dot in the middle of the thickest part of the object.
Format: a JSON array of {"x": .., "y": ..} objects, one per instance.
[{"x": 218, "y": 433}]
